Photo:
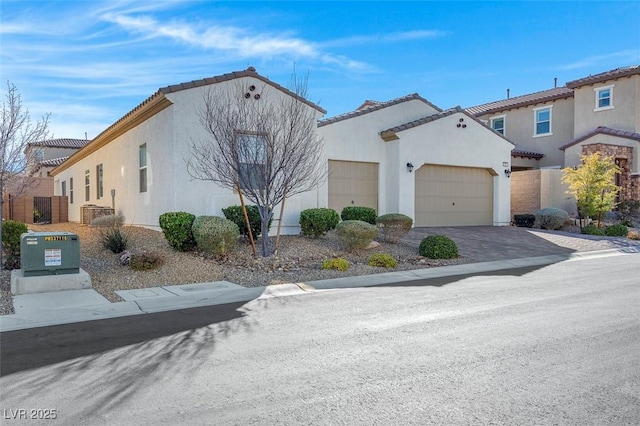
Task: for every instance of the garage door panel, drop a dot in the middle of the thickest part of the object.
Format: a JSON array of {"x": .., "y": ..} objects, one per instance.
[
  {"x": 352, "y": 183},
  {"x": 453, "y": 196}
]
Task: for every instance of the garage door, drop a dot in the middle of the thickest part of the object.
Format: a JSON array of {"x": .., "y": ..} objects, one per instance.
[
  {"x": 453, "y": 196},
  {"x": 352, "y": 183}
]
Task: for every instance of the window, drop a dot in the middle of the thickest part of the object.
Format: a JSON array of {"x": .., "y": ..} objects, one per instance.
[
  {"x": 99, "y": 182},
  {"x": 87, "y": 186},
  {"x": 64, "y": 188},
  {"x": 143, "y": 167},
  {"x": 70, "y": 190},
  {"x": 497, "y": 124},
  {"x": 542, "y": 121},
  {"x": 252, "y": 155},
  {"x": 39, "y": 154},
  {"x": 604, "y": 98}
]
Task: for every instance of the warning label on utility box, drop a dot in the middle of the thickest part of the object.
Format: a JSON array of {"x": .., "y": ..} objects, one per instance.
[{"x": 52, "y": 257}]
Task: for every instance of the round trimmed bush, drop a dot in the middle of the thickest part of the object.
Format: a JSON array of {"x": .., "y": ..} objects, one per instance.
[
  {"x": 365, "y": 214},
  {"x": 11, "y": 232},
  {"x": 592, "y": 229},
  {"x": 337, "y": 263},
  {"x": 177, "y": 229},
  {"x": 215, "y": 235},
  {"x": 617, "y": 230},
  {"x": 356, "y": 234},
  {"x": 551, "y": 218},
  {"x": 235, "y": 215},
  {"x": 382, "y": 260},
  {"x": 317, "y": 222},
  {"x": 438, "y": 247},
  {"x": 393, "y": 226}
]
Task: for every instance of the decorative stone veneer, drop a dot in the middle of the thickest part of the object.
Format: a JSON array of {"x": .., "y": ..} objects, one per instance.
[{"x": 629, "y": 183}]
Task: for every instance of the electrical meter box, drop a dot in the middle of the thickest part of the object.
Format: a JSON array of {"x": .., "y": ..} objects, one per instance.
[{"x": 49, "y": 253}]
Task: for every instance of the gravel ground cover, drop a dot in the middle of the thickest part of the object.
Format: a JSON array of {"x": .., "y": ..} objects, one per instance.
[{"x": 299, "y": 259}]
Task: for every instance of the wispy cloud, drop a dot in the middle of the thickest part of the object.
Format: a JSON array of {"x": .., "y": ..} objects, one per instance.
[
  {"x": 631, "y": 56},
  {"x": 384, "y": 38}
]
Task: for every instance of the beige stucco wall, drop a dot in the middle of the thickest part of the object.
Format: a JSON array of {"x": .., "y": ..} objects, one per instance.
[
  {"x": 168, "y": 135},
  {"x": 532, "y": 190},
  {"x": 625, "y": 114},
  {"x": 520, "y": 125}
]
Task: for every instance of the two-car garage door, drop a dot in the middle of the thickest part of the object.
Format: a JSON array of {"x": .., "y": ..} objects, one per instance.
[{"x": 453, "y": 196}]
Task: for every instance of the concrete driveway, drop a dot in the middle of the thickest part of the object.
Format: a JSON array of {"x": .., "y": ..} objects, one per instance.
[{"x": 489, "y": 243}]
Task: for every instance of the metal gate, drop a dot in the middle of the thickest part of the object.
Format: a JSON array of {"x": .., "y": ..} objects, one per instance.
[{"x": 41, "y": 209}]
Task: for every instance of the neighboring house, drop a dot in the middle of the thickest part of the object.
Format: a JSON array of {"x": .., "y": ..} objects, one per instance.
[
  {"x": 553, "y": 128},
  {"x": 44, "y": 156},
  {"x": 457, "y": 174},
  {"x": 442, "y": 168}
]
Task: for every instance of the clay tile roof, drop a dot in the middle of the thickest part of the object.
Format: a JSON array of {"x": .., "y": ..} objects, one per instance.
[
  {"x": 53, "y": 162},
  {"x": 521, "y": 101},
  {"x": 61, "y": 143},
  {"x": 604, "y": 76},
  {"x": 526, "y": 154},
  {"x": 370, "y": 106},
  {"x": 602, "y": 130},
  {"x": 390, "y": 134}
]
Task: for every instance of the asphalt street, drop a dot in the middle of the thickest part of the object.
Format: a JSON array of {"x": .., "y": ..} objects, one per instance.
[{"x": 558, "y": 344}]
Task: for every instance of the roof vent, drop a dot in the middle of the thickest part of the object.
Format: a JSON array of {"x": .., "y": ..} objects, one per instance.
[{"x": 251, "y": 69}]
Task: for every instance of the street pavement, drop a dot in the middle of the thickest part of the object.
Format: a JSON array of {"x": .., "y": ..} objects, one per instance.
[
  {"x": 494, "y": 248},
  {"x": 547, "y": 344}
]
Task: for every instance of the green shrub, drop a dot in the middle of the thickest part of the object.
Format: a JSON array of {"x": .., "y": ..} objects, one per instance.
[
  {"x": 356, "y": 234},
  {"x": 524, "y": 220},
  {"x": 145, "y": 261},
  {"x": 365, "y": 214},
  {"x": 617, "y": 230},
  {"x": 551, "y": 218},
  {"x": 317, "y": 222},
  {"x": 215, "y": 235},
  {"x": 393, "y": 226},
  {"x": 337, "y": 263},
  {"x": 382, "y": 261},
  {"x": 114, "y": 238},
  {"x": 438, "y": 247},
  {"x": 11, "y": 231},
  {"x": 177, "y": 229},
  {"x": 592, "y": 229},
  {"x": 234, "y": 214}
]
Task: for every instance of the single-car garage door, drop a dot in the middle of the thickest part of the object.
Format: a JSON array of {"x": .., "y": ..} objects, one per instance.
[
  {"x": 453, "y": 196},
  {"x": 352, "y": 183}
]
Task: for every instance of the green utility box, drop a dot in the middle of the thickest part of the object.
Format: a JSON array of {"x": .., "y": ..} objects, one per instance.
[{"x": 49, "y": 253}]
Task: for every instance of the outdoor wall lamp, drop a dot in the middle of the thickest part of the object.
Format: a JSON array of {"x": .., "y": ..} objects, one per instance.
[
  {"x": 410, "y": 167},
  {"x": 507, "y": 172}
]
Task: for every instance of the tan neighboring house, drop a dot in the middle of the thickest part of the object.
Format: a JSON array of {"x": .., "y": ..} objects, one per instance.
[
  {"x": 44, "y": 156},
  {"x": 553, "y": 128}
]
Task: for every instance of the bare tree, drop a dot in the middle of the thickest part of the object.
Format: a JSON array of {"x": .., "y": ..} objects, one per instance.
[
  {"x": 17, "y": 131},
  {"x": 261, "y": 142}
]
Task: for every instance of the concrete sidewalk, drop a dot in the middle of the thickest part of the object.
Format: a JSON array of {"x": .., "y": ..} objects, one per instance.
[{"x": 70, "y": 306}]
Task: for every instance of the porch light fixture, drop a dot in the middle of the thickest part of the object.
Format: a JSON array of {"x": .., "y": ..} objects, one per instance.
[
  {"x": 507, "y": 172},
  {"x": 410, "y": 167}
]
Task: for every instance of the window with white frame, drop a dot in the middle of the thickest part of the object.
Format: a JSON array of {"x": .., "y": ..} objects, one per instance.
[
  {"x": 252, "y": 156},
  {"x": 143, "y": 167},
  {"x": 99, "y": 182},
  {"x": 87, "y": 186},
  {"x": 604, "y": 98},
  {"x": 497, "y": 123},
  {"x": 542, "y": 118}
]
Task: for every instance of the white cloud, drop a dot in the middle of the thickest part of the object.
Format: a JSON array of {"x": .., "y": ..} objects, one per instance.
[{"x": 629, "y": 56}]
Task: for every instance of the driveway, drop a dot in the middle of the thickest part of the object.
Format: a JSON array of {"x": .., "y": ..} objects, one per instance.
[{"x": 489, "y": 243}]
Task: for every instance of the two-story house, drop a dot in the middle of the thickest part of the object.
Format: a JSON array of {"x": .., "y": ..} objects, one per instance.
[
  {"x": 43, "y": 156},
  {"x": 553, "y": 128}
]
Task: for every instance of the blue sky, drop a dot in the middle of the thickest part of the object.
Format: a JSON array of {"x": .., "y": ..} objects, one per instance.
[{"x": 89, "y": 62}]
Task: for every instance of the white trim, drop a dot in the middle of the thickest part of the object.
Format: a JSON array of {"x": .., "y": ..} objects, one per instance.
[
  {"x": 597, "y": 91},
  {"x": 504, "y": 123},
  {"x": 535, "y": 121}
]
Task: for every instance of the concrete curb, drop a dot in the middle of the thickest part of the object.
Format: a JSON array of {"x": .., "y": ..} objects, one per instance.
[{"x": 210, "y": 296}]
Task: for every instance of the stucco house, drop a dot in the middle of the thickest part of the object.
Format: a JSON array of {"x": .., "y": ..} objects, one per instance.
[
  {"x": 457, "y": 171},
  {"x": 553, "y": 128},
  {"x": 44, "y": 156}
]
